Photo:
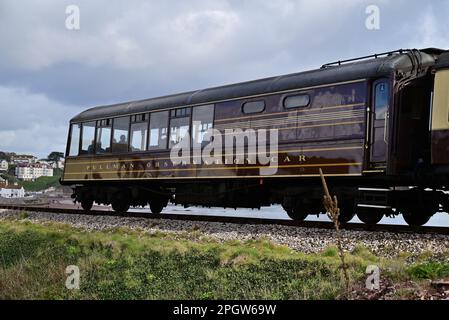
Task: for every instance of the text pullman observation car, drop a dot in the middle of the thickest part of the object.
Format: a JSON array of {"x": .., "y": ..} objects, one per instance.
[{"x": 377, "y": 126}]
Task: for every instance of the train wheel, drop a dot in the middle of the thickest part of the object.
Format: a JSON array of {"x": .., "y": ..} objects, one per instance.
[
  {"x": 345, "y": 217},
  {"x": 296, "y": 214},
  {"x": 156, "y": 207},
  {"x": 415, "y": 218},
  {"x": 370, "y": 217},
  {"x": 346, "y": 212},
  {"x": 421, "y": 207},
  {"x": 87, "y": 204},
  {"x": 120, "y": 206}
]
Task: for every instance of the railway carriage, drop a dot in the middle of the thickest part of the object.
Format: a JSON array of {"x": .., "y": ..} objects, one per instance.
[{"x": 378, "y": 127}]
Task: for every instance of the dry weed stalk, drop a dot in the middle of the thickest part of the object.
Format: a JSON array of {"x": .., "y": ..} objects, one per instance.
[{"x": 333, "y": 212}]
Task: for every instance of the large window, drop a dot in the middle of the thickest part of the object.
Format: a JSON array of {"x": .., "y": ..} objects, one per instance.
[
  {"x": 74, "y": 139},
  {"x": 139, "y": 133},
  {"x": 120, "y": 135},
  {"x": 88, "y": 139},
  {"x": 103, "y": 136},
  {"x": 179, "y": 125},
  {"x": 203, "y": 120},
  {"x": 179, "y": 128},
  {"x": 158, "y": 130}
]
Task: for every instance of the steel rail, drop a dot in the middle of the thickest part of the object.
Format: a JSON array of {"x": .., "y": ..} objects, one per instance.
[{"x": 234, "y": 220}]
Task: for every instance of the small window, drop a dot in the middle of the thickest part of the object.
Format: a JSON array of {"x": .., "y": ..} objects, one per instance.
[
  {"x": 381, "y": 100},
  {"x": 254, "y": 106},
  {"x": 139, "y": 118},
  {"x": 104, "y": 123},
  {"x": 75, "y": 140},
  {"x": 88, "y": 140},
  {"x": 120, "y": 135},
  {"x": 298, "y": 101},
  {"x": 158, "y": 130},
  {"x": 179, "y": 113}
]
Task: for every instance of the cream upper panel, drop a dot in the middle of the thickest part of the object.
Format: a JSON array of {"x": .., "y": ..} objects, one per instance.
[{"x": 440, "y": 112}]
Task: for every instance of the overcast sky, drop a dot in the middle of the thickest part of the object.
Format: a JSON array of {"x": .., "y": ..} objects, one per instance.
[{"x": 128, "y": 50}]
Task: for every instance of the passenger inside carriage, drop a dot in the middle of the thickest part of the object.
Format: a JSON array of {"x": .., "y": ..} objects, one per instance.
[
  {"x": 99, "y": 148},
  {"x": 91, "y": 148},
  {"x": 121, "y": 146},
  {"x": 95, "y": 147},
  {"x": 123, "y": 140}
]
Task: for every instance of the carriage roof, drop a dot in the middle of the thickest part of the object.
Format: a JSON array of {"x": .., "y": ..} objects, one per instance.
[{"x": 361, "y": 68}]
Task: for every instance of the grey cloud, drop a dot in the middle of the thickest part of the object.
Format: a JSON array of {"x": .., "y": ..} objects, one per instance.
[
  {"x": 133, "y": 50},
  {"x": 32, "y": 122}
]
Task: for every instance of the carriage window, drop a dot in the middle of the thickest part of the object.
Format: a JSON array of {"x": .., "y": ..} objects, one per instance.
[
  {"x": 120, "y": 135},
  {"x": 203, "y": 120},
  {"x": 298, "y": 101},
  {"x": 179, "y": 113},
  {"x": 179, "y": 128},
  {"x": 381, "y": 100},
  {"x": 103, "y": 136},
  {"x": 139, "y": 132},
  {"x": 88, "y": 140},
  {"x": 254, "y": 106},
  {"x": 158, "y": 130},
  {"x": 75, "y": 140}
]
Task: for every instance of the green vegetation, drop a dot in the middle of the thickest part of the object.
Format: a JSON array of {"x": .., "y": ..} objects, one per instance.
[
  {"x": 125, "y": 264},
  {"x": 41, "y": 183},
  {"x": 429, "y": 270},
  {"x": 10, "y": 178},
  {"x": 55, "y": 156}
]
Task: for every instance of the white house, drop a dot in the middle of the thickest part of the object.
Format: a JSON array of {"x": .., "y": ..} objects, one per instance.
[
  {"x": 30, "y": 172},
  {"x": 4, "y": 165},
  {"x": 11, "y": 191},
  {"x": 23, "y": 159},
  {"x": 54, "y": 164}
]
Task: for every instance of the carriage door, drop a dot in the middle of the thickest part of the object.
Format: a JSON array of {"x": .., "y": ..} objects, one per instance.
[{"x": 381, "y": 101}]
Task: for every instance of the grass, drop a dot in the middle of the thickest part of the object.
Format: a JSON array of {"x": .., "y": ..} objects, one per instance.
[
  {"x": 41, "y": 183},
  {"x": 125, "y": 264},
  {"x": 429, "y": 270}
]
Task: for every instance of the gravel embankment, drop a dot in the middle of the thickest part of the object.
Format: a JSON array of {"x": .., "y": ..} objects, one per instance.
[{"x": 301, "y": 239}]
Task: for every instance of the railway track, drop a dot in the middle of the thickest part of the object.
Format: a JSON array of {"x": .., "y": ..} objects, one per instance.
[{"x": 235, "y": 220}]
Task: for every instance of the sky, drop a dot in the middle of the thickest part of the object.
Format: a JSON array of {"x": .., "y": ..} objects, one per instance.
[{"x": 130, "y": 50}]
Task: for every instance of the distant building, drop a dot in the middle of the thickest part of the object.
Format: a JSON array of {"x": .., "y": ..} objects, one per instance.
[
  {"x": 54, "y": 164},
  {"x": 23, "y": 159},
  {"x": 11, "y": 191},
  {"x": 60, "y": 164},
  {"x": 30, "y": 172},
  {"x": 4, "y": 165}
]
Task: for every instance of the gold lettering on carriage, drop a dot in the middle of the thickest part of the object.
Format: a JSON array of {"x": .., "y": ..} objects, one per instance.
[
  {"x": 140, "y": 165},
  {"x": 240, "y": 147},
  {"x": 153, "y": 164}
]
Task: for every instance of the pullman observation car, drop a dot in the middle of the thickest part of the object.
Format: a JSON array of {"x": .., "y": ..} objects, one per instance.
[{"x": 378, "y": 127}]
